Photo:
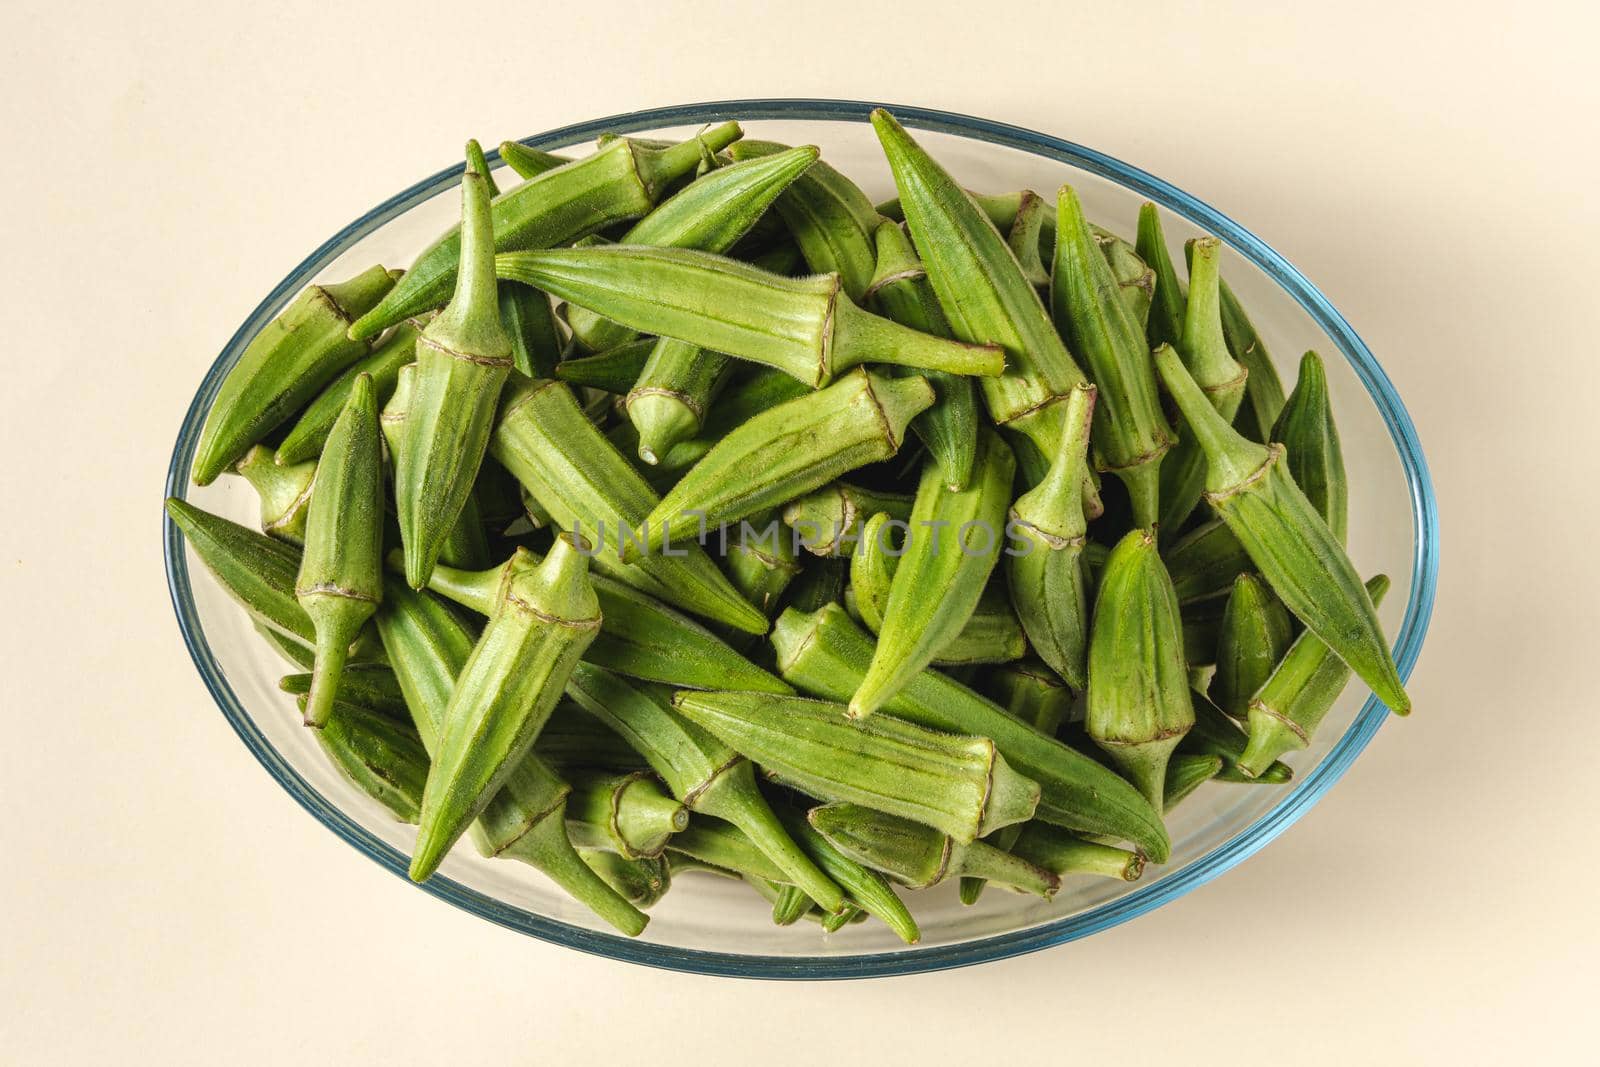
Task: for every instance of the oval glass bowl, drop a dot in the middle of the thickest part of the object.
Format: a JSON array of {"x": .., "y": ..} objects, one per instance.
[{"x": 715, "y": 926}]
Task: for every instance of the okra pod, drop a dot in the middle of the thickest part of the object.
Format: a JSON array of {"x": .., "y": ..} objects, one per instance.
[
  {"x": 1030, "y": 691},
  {"x": 257, "y": 571},
  {"x": 1023, "y": 240},
  {"x": 1250, "y": 488},
  {"x": 525, "y": 313},
  {"x": 1186, "y": 773},
  {"x": 828, "y": 521},
  {"x": 953, "y": 543},
  {"x": 1136, "y": 281},
  {"x": 1168, "y": 308},
  {"x": 1255, "y": 634},
  {"x": 381, "y": 756},
  {"x": 285, "y": 493},
  {"x": 625, "y": 813},
  {"x": 1305, "y": 427},
  {"x": 1202, "y": 629},
  {"x": 790, "y": 906},
  {"x": 575, "y": 739},
  {"x": 641, "y": 882},
  {"x": 1063, "y": 853},
  {"x": 722, "y": 846},
  {"x": 1215, "y": 734},
  {"x": 529, "y": 162},
  {"x": 340, "y": 581},
  {"x": 867, "y": 888},
  {"x": 667, "y": 403},
  {"x": 1205, "y": 562},
  {"x": 805, "y": 327},
  {"x": 621, "y": 181},
  {"x": 615, "y": 370},
  {"x": 305, "y": 440},
  {"x": 999, "y": 208},
  {"x": 283, "y": 367},
  {"x": 1138, "y": 696},
  {"x": 1263, "y": 391}
]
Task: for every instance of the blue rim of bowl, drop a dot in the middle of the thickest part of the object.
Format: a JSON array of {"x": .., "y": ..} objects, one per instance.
[{"x": 1308, "y": 791}]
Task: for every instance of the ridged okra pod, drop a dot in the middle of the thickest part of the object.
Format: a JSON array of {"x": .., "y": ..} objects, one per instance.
[
  {"x": 920, "y": 856},
  {"x": 544, "y": 619},
  {"x": 667, "y": 403},
  {"x": 466, "y": 544},
  {"x": 614, "y": 370},
  {"x": 1305, "y": 427},
  {"x": 1043, "y": 570},
  {"x": 305, "y": 440},
  {"x": 257, "y": 571},
  {"x": 828, "y": 521},
  {"x": 722, "y": 847},
  {"x": 1205, "y": 353},
  {"x": 982, "y": 291},
  {"x": 1263, "y": 392},
  {"x": 900, "y": 291},
  {"x": 626, "y": 813},
  {"x": 961, "y": 785},
  {"x": 806, "y": 327},
  {"x": 1063, "y": 853},
  {"x": 1024, "y": 239},
  {"x": 573, "y": 738},
  {"x": 1186, "y": 773},
  {"x": 429, "y": 644},
  {"x": 1138, "y": 697},
  {"x": 1032, "y": 692},
  {"x": 867, "y": 889},
  {"x": 283, "y": 367},
  {"x": 1131, "y": 434},
  {"x": 641, "y": 882},
  {"x": 1136, "y": 281},
  {"x": 1287, "y": 710},
  {"x": 825, "y": 654},
  {"x": 525, "y": 313},
  {"x": 1205, "y": 562},
  {"x": 463, "y": 358},
  {"x": 1255, "y": 634},
  {"x": 381, "y": 756},
  {"x": 702, "y": 772},
  {"x": 785, "y": 452},
  {"x": 955, "y": 539},
  {"x": 529, "y": 162},
  {"x": 621, "y": 181},
  {"x": 547, "y": 442},
  {"x": 1250, "y": 488},
  {"x": 340, "y": 582},
  {"x": 1215, "y": 734},
  {"x": 1167, "y": 310},
  {"x": 285, "y": 493}
]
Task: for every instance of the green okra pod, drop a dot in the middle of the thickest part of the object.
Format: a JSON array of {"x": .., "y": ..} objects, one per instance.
[
  {"x": 1287, "y": 710},
  {"x": 1205, "y": 562},
  {"x": 667, "y": 403},
  {"x": 999, "y": 208},
  {"x": 761, "y": 560},
  {"x": 1063, "y": 853},
  {"x": 1131, "y": 434},
  {"x": 1043, "y": 570},
  {"x": 366, "y": 684},
  {"x": 919, "y": 856},
  {"x": 1032, "y": 692},
  {"x": 982, "y": 291},
  {"x": 285, "y": 493},
  {"x": 305, "y": 440},
  {"x": 1168, "y": 308},
  {"x": 257, "y": 571},
  {"x": 463, "y": 358},
  {"x": 615, "y": 370},
  {"x": 805, "y": 327},
  {"x": 867, "y": 889},
  {"x": 825, "y": 654},
  {"x": 641, "y": 882},
  {"x": 900, "y": 291},
  {"x": 381, "y": 756},
  {"x": 1186, "y": 773},
  {"x": 955, "y": 539},
  {"x": 1263, "y": 391},
  {"x": 1305, "y": 427},
  {"x": 962, "y": 785},
  {"x": 626, "y": 813},
  {"x": 1250, "y": 488},
  {"x": 588, "y": 487},
  {"x": 1215, "y": 734},
  {"x": 828, "y": 521},
  {"x": 544, "y": 619},
  {"x": 1255, "y": 634},
  {"x": 529, "y": 162},
  {"x": 621, "y": 181},
  {"x": 784, "y": 452},
  {"x": 1136, "y": 280},
  {"x": 722, "y": 846},
  {"x": 790, "y": 906},
  {"x": 1138, "y": 696},
  {"x": 1204, "y": 351},
  {"x": 525, "y": 313},
  {"x": 283, "y": 367},
  {"x": 340, "y": 582},
  {"x": 1024, "y": 240},
  {"x": 701, "y": 771}
]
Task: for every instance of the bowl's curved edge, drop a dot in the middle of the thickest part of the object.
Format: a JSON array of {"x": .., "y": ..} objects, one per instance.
[{"x": 1246, "y": 843}]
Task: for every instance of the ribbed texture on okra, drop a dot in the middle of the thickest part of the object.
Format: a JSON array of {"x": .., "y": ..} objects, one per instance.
[
  {"x": 920, "y": 856},
  {"x": 829, "y": 521},
  {"x": 1305, "y": 427},
  {"x": 1062, "y": 853},
  {"x": 668, "y": 401},
  {"x": 626, "y": 813},
  {"x": 1255, "y": 634},
  {"x": 1263, "y": 391},
  {"x": 381, "y": 756}
]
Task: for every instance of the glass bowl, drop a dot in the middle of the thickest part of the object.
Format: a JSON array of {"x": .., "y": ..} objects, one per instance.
[{"x": 713, "y": 926}]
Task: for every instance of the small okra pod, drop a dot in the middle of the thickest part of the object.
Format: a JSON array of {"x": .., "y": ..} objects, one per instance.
[
  {"x": 623, "y": 180},
  {"x": 1138, "y": 696},
  {"x": 961, "y": 785},
  {"x": 285, "y": 493},
  {"x": 588, "y": 487},
  {"x": 1255, "y": 634},
  {"x": 867, "y": 888},
  {"x": 785, "y": 452},
  {"x": 900, "y": 291},
  {"x": 1043, "y": 570},
  {"x": 953, "y": 543},
  {"x": 710, "y": 214},
  {"x": 790, "y": 906},
  {"x": 255, "y": 570},
  {"x": 806, "y": 327},
  {"x": 829, "y": 521},
  {"x": 761, "y": 560},
  {"x": 525, "y": 820},
  {"x": 1250, "y": 488},
  {"x": 463, "y": 358},
  {"x": 1024, "y": 239},
  {"x": 529, "y": 162},
  {"x": 286, "y": 364},
  {"x": 1168, "y": 308},
  {"x": 641, "y": 882},
  {"x": 340, "y": 582},
  {"x": 992, "y": 634},
  {"x": 1263, "y": 391},
  {"x": 1306, "y": 428},
  {"x": 544, "y": 619},
  {"x": 1186, "y": 773},
  {"x": 919, "y": 856},
  {"x": 305, "y": 440},
  {"x": 667, "y": 403},
  {"x": 1063, "y": 853},
  {"x": 383, "y": 757},
  {"x": 368, "y": 685},
  {"x": 1131, "y": 435},
  {"x": 1032, "y": 692},
  {"x": 1215, "y": 734},
  {"x": 702, "y": 772},
  {"x": 1287, "y": 710},
  {"x": 825, "y": 654},
  {"x": 1136, "y": 281},
  {"x": 1204, "y": 351},
  {"x": 982, "y": 291},
  {"x": 626, "y": 813},
  {"x": 615, "y": 370},
  {"x": 829, "y": 217},
  {"x": 1205, "y": 562}
]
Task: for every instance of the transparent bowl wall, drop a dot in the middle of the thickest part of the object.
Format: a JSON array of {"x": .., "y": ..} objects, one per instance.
[{"x": 712, "y": 925}]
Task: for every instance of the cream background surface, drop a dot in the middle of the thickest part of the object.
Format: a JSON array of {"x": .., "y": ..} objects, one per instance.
[{"x": 1430, "y": 168}]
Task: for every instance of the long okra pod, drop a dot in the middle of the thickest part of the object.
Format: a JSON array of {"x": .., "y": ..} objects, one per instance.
[
  {"x": 525, "y": 313},
  {"x": 1305, "y": 427},
  {"x": 1167, "y": 310},
  {"x": 466, "y": 544},
  {"x": 623, "y": 180},
  {"x": 257, "y": 571},
  {"x": 1250, "y": 488},
  {"x": 382, "y": 757},
  {"x": 867, "y": 888},
  {"x": 367, "y": 685},
  {"x": 1263, "y": 392},
  {"x": 1255, "y": 634}
]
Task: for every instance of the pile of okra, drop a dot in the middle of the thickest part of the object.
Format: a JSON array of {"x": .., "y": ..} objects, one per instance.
[{"x": 683, "y": 510}]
